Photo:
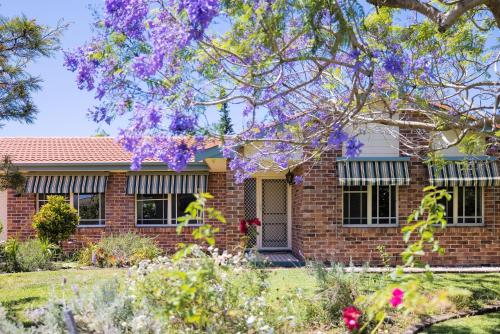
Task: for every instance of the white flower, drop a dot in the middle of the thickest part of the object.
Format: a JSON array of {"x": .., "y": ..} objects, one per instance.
[{"x": 250, "y": 320}]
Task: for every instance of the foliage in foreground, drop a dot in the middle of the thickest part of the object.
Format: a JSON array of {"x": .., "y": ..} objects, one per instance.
[
  {"x": 120, "y": 250},
  {"x": 30, "y": 255},
  {"x": 196, "y": 294}
]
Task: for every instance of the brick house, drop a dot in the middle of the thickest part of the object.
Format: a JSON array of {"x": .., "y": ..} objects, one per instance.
[{"x": 341, "y": 212}]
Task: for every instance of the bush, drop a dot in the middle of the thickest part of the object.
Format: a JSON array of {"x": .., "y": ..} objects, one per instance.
[
  {"x": 337, "y": 289},
  {"x": 56, "y": 221},
  {"x": 201, "y": 293},
  {"x": 120, "y": 250},
  {"x": 30, "y": 255}
]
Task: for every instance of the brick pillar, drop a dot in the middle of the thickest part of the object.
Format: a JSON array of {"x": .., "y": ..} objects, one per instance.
[{"x": 235, "y": 210}]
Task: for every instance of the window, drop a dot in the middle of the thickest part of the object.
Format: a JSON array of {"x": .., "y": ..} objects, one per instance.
[
  {"x": 465, "y": 206},
  {"x": 42, "y": 199},
  {"x": 448, "y": 206},
  {"x": 180, "y": 203},
  {"x": 155, "y": 209},
  {"x": 370, "y": 205},
  {"x": 355, "y": 205},
  {"x": 152, "y": 209},
  {"x": 90, "y": 208}
]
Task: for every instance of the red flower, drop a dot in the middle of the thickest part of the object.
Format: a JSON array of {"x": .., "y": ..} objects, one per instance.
[
  {"x": 397, "y": 297},
  {"x": 243, "y": 226},
  {"x": 351, "y": 315},
  {"x": 255, "y": 222}
]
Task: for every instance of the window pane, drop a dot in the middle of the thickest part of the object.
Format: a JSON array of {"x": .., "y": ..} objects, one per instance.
[
  {"x": 470, "y": 202},
  {"x": 355, "y": 205},
  {"x": 180, "y": 204},
  {"x": 152, "y": 209},
  {"x": 374, "y": 205},
  {"x": 479, "y": 202},
  {"x": 88, "y": 206},
  {"x": 448, "y": 206},
  {"x": 394, "y": 196},
  {"x": 384, "y": 202}
]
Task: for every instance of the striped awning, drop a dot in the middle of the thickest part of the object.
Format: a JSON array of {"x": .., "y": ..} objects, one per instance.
[
  {"x": 65, "y": 184},
  {"x": 373, "y": 172},
  {"x": 465, "y": 173},
  {"x": 167, "y": 184}
]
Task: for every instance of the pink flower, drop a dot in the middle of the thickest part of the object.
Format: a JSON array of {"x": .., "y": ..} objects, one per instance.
[
  {"x": 397, "y": 297},
  {"x": 351, "y": 315}
]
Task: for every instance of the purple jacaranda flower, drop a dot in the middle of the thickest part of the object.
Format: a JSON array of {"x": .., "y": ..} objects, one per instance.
[
  {"x": 298, "y": 179},
  {"x": 126, "y": 16},
  {"x": 200, "y": 13},
  {"x": 182, "y": 124},
  {"x": 353, "y": 147},
  {"x": 394, "y": 64},
  {"x": 337, "y": 137}
]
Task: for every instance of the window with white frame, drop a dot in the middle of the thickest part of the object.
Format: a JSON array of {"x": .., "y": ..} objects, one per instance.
[
  {"x": 91, "y": 208},
  {"x": 163, "y": 209},
  {"x": 465, "y": 206},
  {"x": 42, "y": 199},
  {"x": 152, "y": 209},
  {"x": 370, "y": 205}
]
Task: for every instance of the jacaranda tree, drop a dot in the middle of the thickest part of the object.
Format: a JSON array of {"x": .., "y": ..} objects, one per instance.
[{"x": 308, "y": 76}]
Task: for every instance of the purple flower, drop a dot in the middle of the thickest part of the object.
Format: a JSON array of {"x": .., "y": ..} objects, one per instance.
[
  {"x": 200, "y": 13},
  {"x": 182, "y": 124},
  {"x": 298, "y": 179},
  {"x": 99, "y": 114},
  {"x": 394, "y": 64},
  {"x": 337, "y": 137},
  {"x": 126, "y": 16},
  {"x": 353, "y": 147}
]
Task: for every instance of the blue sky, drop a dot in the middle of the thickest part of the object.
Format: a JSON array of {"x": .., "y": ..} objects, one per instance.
[{"x": 62, "y": 105}]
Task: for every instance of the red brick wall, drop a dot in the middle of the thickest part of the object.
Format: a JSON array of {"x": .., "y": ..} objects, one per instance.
[
  {"x": 323, "y": 237},
  {"x": 120, "y": 216}
]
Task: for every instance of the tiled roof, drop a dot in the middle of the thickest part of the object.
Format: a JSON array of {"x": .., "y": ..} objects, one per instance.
[{"x": 63, "y": 150}]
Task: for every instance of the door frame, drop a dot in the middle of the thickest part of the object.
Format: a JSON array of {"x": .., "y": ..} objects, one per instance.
[{"x": 258, "y": 189}]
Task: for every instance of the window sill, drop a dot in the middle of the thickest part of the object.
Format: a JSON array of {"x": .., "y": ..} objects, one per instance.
[
  {"x": 465, "y": 225},
  {"x": 167, "y": 225},
  {"x": 91, "y": 226},
  {"x": 370, "y": 225}
]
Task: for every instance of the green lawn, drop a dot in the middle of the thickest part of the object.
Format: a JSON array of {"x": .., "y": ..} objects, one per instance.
[
  {"x": 481, "y": 324},
  {"x": 22, "y": 291}
]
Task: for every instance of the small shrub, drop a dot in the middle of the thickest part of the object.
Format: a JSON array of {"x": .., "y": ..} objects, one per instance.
[
  {"x": 120, "y": 250},
  {"x": 30, "y": 255},
  {"x": 337, "y": 289},
  {"x": 56, "y": 221}
]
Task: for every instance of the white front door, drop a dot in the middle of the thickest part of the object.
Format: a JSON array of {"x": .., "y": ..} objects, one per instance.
[{"x": 274, "y": 208}]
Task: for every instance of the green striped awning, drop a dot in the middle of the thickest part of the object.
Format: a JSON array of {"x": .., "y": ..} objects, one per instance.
[
  {"x": 465, "y": 173},
  {"x": 373, "y": 172},
  {"x": 65, "y": 184},
  {"x": 167, "y": 184}
]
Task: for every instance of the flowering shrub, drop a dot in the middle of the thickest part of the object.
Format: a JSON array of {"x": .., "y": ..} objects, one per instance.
[
  {"x": 120, "y": 250},
  {"x": 406, "y": 292}
]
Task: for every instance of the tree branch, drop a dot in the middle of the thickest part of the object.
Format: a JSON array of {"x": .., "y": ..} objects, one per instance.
[{"x": 444, "y": 20}]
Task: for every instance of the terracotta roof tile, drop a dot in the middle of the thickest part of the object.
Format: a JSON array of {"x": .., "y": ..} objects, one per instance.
[{"x": 54, "y": 150}]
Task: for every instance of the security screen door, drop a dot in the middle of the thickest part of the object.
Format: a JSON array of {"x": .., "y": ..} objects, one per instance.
[{"x": 274, "y": 214}]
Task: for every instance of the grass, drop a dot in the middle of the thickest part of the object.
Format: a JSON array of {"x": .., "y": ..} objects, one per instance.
[
  {"x": 481, "y": 324},
  {"x": 22, "y": 291}
]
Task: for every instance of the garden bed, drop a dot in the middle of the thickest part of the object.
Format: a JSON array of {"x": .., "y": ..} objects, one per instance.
[{"x": 22, "y": 291}]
